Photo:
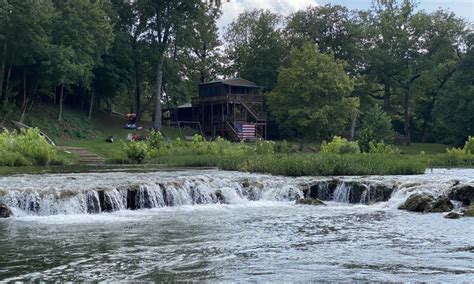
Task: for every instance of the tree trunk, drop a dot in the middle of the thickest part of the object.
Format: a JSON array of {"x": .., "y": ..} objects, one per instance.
[
  {"x": 353, "y": 126},
  {"x": 61, "y": 96},
  {"x": 2, "y": 72},
  {"x": 159, "y": 81},
  {"x": 386, "y": 97},
  {"x": 91, "y": 105},
  {"x": 138, "y": 92},
  {"x": 25, "y": 98},
  {"x": 5, "y": 102},
  {"x": 406, "y": 108}
]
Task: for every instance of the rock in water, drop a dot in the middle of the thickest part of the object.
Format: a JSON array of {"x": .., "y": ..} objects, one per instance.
[
  {"x": 463, "y": 193},
  {"x": 5, "y": 212},
  {"x": 310, "y": 201},
  {"x": 417, "y": 203},
  {"x": 442, "y": 204},
  {"x": 453, "y": 215},
  {"x": 469, "y": 212}
]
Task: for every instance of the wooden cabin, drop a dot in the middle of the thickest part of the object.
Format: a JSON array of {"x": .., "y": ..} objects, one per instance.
[{"x": 231, "y": 108}]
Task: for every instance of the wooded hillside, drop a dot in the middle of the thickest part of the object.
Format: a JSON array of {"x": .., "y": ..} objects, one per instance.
[{"x": 325, "y": 70}]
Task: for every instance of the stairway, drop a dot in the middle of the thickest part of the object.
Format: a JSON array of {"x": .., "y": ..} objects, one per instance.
[{"x": 85, "y": 156}]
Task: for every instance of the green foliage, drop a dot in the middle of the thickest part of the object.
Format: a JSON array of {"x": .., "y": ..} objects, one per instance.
[
  {"x": 263, "y": 147},
  {"x": 74, "y": 124},
  {"x": 339, "y": 145},
  {"x": 26, "y": 148},
  {"x": 468, "y": 149},
  {"x": 382, "y": 148},
  {"x": 256, "y": 47},
  {"x": 306, "y": 164},
  {"x": 34, "y": 147},
  {"x": 469, "y": 145},
  {"x": 312, "y": 95},
  {"x": 136, "y": 151},
  {"x": 155, "y": 140},
  {"x": 376, "y": 127}
]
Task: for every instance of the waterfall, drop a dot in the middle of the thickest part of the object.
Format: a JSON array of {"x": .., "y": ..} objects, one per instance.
[
  {"x": 177, "y": 192},
  {"x": 92, "y": 193}
]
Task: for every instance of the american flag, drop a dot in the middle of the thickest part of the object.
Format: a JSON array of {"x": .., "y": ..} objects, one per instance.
[{"x": 246, "y": 131}]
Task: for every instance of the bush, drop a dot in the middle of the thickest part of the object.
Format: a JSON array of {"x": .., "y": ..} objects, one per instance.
[
  {"x": 382, "y": 148},
  {"x": 339, "y": 145},
  {"x": 469, "y": 145},
  {"x": 33, "y": 146},
  {"x": 376, "y": 127},
  {"x": 26, "y": 148},
  {"x": 136, "y": 151},
  {"x": 467, "y": 150},
  {"x": 263, "y": 147},
  {"x": 156, "y": 140}
]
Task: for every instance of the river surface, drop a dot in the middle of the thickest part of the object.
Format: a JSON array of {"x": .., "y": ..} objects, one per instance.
[{"x": 264, "y": 238}]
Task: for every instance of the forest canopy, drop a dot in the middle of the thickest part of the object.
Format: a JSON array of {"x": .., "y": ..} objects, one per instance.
[{"x": 325, "y": 71}]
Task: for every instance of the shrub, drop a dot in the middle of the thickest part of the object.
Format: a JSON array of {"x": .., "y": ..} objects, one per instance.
[
  {"x": 376, "y": 127},
  {"x": 264, "y": 147},
  {"x": 283, "y": 147},
  {"x": 12, "y": 159},
  {"x": 469, "y": 145},
  {"x": 33, "y": 146},
  {"x": 339, "y": 145},
  {"x": 136, "y": 151},
  {"x": 155, "y": 140},
  {"x": 382, "y": 148}
]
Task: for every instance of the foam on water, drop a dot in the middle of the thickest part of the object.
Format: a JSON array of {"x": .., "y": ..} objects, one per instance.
[{"x": 66, "y": 194}]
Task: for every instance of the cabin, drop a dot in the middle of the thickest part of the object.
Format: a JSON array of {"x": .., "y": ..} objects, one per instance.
[{"x": 231, "y": 108}]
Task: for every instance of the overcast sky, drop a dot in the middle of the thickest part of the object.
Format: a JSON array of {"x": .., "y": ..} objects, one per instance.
[{"x": 231, "y": 9}]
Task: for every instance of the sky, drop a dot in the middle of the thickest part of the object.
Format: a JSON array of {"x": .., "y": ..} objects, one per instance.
[{"x": 232, "y": 8}]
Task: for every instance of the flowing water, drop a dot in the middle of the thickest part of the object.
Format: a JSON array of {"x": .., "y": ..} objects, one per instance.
[{"x": 227, "y": 226}]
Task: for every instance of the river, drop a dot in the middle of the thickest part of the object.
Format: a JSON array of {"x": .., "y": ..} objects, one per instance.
[{"x": 210, "y": 225}]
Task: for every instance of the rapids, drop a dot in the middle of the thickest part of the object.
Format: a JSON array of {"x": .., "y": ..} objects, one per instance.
[{"x": 230, "y": 226}]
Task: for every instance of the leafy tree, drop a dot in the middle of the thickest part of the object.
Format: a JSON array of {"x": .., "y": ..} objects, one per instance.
[
  {"x": 24, "y": 37},
  {"x": 312, "y": 95},
  {"x": 332, "y": 27},
  {"x": 166, "y": 21},
  {"x": 82, "y": 34},
  {"x": 255, "y": 47},
  {"x": 376, "y": 126}
]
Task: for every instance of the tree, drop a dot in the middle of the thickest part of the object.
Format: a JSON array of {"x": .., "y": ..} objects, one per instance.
[
  {"x": 82, "y": 34},
  {"x": 386, "y": 43},
  {"x": 332, "y": 27},
  {"x": 376, "y": 126},
  {"x": 255, "y": 47},
  {"x": 166, "y": 20},
  {"x": 444, "y": 38},
  {"x": 24, "y": 39},
  {"x": 311, "y": 98}
]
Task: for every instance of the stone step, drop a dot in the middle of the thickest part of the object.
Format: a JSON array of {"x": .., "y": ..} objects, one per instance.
[{"x": 84, "y": 156}]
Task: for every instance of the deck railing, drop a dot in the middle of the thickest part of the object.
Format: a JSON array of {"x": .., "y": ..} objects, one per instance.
[{"x": 228, "y": 98}]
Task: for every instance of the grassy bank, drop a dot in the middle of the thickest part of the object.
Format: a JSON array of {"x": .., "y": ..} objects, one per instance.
[{"x": 304, "y": 164}]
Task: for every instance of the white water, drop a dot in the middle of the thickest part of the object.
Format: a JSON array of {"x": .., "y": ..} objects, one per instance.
[
  {"x": 227, "y": 226},
  {"x": 80, "y": 193}
]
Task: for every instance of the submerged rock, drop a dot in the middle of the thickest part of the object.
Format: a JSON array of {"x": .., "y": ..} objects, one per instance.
[
  {"x": 453, "y": 215},
  {"x": 463, "y": 193},
  {"x": 310, "y": 201},
  {"x": 469, "y": 211},
  {"x": 442, "y": 204},
  {"x": 5, "y": 211},
  {"x": 417, "y": 203}
]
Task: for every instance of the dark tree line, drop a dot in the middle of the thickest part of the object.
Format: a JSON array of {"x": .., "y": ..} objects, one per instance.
[{"x": 326, "y": 70}]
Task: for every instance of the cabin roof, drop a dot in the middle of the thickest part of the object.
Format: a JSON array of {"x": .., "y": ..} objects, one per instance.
[{"x": 240, "y": 82}]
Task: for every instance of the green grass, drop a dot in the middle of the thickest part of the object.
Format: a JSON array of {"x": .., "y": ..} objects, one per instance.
[
  {"x": 428, "y": 148},
  {"x": 305, "y": 164}
]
